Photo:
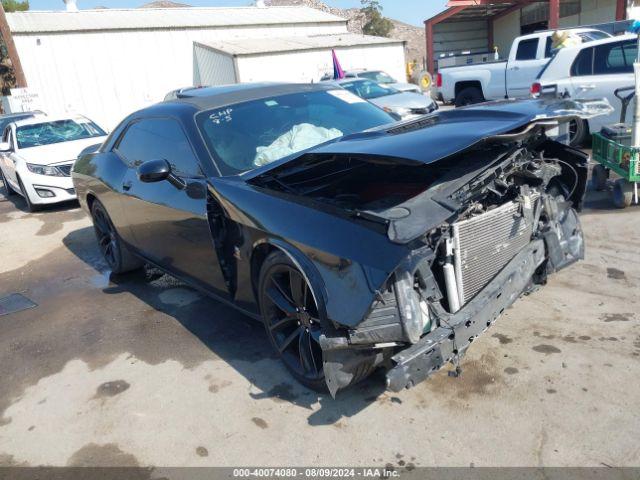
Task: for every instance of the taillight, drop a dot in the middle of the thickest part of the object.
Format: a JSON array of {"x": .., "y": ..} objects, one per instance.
[
  {"x": 439, "y": 80},
  {"x": 535, "y": 90}
]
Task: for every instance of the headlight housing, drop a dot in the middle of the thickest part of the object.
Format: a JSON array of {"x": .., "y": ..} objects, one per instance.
[
  {"x": 415, "y": 317},
  {"x": 44, "y": 170}
]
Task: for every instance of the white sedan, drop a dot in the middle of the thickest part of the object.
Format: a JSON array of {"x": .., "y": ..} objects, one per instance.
[{"x": 37, "y": 154}]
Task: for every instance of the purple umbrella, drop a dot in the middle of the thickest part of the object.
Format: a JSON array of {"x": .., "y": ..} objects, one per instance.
[{"x": 338, "y": 73}]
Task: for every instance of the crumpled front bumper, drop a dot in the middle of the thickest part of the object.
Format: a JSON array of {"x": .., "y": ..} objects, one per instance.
[{"x": 431, "y": 352}]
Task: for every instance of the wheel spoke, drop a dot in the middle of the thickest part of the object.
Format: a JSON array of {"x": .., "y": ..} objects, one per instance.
[
  {"x": 309, "y": 353},
  {"x": 287, "y": 341},
  {"x": 281, "y": 323},
  {"x": 298, "y": 286},
  {"x": 303, "y": 351},
  {"x": 280, "y": 300}
]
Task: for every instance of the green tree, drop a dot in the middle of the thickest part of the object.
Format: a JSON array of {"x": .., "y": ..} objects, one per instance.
[
  {"x": 376, "y": 23},
  {"x": 15, "y": 5}
]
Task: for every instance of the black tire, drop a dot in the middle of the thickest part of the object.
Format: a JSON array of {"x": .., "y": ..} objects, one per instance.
[
  {"x": 599, "y": 176},
  {"x": 30, "y": 206},
  {"x": 115, "y": 253},
  {"x": 622, "y": 193},
  {"x": 8, "y": 191},
  {"x": 291, "y": 320},
  {"x": 578, "y": 132},
  {"x": 469, "y": 96}
]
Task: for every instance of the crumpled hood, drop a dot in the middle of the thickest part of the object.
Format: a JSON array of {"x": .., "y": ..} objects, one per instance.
[
  {"x": 447, "y": 132},
  {"x": 58, "y": 152}
]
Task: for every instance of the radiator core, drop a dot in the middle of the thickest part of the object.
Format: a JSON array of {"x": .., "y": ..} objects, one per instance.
[{"x": 484, "y": 244}]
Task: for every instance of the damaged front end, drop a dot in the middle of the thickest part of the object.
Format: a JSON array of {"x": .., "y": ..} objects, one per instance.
[{"x": 513, "y": 224}]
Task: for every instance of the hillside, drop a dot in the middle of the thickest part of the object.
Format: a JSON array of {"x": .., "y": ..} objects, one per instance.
[{"x": 414, "y": 36}]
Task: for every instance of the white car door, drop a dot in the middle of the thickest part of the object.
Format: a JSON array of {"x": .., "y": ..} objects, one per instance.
[
  {"x": 10, "y": 158},
  {"x": 525, "y": 62},
  {"x": 599, "y": 71}
]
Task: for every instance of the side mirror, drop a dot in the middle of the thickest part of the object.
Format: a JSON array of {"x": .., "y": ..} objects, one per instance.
[
  {"x": 154, "y": 171},
  {"x": 5, "y": 147}
]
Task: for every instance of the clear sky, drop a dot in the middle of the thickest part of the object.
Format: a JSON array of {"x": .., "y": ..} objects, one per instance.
[{"x": 409, "y": 11}]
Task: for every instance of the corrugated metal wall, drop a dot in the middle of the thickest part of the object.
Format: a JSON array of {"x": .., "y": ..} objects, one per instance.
[
  {"x": 107, "y": 75},
  {"x": 212, "y": 68},
  {"x": 310, "y": 65},
  {"x": 458, "y": 36}
]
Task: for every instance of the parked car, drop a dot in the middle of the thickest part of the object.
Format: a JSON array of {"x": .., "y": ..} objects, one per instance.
[
  {"x": 403, "y": 104},
  {"x": 511, "y": 78},
  {"x": 380, "y": 77},
  {"x": 356, "y": 241},
  {"x": 593, "y": 70},
  {"x": 38, "y": 153}
]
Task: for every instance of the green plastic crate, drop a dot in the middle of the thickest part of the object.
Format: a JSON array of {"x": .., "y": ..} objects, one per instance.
[{"x": 622, "y": 159}]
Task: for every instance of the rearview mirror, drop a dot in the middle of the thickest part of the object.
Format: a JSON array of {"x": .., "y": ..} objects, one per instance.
[
  {"x": 154, "y": 171},
  {"x": 5, "y": 147}
]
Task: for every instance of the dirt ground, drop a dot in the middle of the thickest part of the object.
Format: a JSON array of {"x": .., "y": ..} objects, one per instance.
[{"x": 142, "y": 370}]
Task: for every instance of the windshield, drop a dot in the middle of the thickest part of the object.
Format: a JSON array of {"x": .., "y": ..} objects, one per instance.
[
  {"x": 248, "y": 135},
  {"x": 379, "y": 77},
  {"x": 57, "y": 131},
  {"x": 368, "y": 90}
]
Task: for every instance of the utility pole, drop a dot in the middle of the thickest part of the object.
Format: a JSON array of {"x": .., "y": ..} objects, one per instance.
[{"x": 5, "y": 31}]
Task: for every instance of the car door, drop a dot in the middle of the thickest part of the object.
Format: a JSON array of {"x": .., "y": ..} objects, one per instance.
[
  {"x": 598, "y": 71},
  {"x": 168, "y": 219},
  {"x": 525, "y": 61}
]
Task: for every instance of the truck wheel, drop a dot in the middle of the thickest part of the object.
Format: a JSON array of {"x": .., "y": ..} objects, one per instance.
[
  {"x": 469, "y": 96},
  {"x": 622, "y": 193},
  {"x": 578, "y": 132},
  {"x": 599, "y": 177}
]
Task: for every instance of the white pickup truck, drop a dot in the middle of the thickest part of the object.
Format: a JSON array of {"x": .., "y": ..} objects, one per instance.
[{"x": 511, "y": 78}]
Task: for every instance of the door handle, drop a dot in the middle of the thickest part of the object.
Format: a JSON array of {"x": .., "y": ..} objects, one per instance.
[
  {"x": 126, "y": 186},
  {"x": 515, "y": 69},
  {"x": 587, "y": 87}
]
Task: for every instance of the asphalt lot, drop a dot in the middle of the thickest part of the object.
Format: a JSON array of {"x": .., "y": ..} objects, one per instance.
[{"x": 141, "y": 370}]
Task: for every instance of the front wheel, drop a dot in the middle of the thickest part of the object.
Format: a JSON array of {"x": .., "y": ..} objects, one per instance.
[
  {"x": 578, "y": 132},
  {"x": 291, "y": 319},
  {"x": 116, "y": 254},
  {"x": 8, "y": 191},
  {"x": 30, "y": 206}
]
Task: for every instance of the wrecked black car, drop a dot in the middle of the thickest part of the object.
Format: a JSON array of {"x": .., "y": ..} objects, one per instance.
[{"x": 359, "y": 242}]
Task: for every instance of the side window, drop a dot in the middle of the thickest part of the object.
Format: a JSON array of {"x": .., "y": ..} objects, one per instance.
[
  {"x": 548, "y": 46},
  {"x": 583, "y": 64},
  {"x": 527, "y": 49},
  {"x": 159, "y": 138},
  {"x": 6, "y": 134},
  {"x": 615, "y": 58}
]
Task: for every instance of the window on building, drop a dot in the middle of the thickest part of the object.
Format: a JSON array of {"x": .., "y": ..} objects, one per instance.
[{"x": 527, "y": 49}]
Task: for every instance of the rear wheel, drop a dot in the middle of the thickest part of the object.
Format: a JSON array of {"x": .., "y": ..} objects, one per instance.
[
  {"x": 116, "y": 254},
  {"x": 30, "y": 206},
  {"x": 622, "y": 193},
  {"x": 291, "y": 319},
  {"x": 469, "y": 96},
  {"x": 599, "y": 177},
  {"x": 8, "y": 191}
]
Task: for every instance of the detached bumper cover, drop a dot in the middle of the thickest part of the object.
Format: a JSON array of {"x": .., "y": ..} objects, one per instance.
[{"x": 428, "y": 355}]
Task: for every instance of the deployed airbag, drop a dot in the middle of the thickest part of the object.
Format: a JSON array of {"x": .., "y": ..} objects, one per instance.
[{"x": 299, "y": 138}]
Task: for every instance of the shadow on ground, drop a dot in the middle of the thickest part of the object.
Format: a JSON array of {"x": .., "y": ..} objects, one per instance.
[{"x": 231, "y": 336}]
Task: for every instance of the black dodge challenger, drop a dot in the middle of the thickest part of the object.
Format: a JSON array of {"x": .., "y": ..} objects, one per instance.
[{"x": 357, "y": 241}]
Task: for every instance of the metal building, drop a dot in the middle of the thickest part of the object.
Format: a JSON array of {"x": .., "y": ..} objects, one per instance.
[
  {"x": 293, "y": 59},
  {"x": 106, "y": 63},
  {"x": 479, "y": 26}
]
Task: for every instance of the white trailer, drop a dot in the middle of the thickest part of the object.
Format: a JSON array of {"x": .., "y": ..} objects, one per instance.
[{"x": 293, "y": 59}]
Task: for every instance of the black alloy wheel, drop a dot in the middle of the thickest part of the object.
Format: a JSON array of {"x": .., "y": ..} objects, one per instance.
[
  {"x": 291, "y": 319},
  {"x": 117, "y": 256}
]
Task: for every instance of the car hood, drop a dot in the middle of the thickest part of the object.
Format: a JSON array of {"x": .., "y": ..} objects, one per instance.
[
  {"x": 403, "y": 100},
  {"x": 58, "y": 152},
  {"x": 404, "y": 87},
  {"x": 446, "y": 132}
]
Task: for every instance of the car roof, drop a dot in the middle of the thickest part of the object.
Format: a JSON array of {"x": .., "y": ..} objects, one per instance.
[
  {"x": 223, "y": 95},
  {"x": 568, "y": 29},
  {"x": 8, "y": 116},
  {"x": 46, "y": 119}
]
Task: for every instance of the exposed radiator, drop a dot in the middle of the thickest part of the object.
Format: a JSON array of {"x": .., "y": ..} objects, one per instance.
[{"x": 483, "y": 245}]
